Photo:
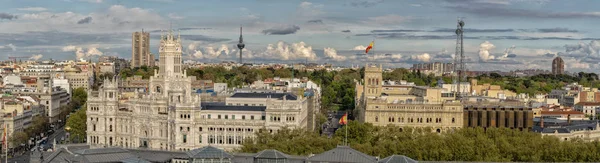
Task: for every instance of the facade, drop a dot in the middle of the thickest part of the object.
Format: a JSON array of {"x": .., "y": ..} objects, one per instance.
[
  {"x": 18, "y": 112},
  {"x": 50, "y": 99},
  {"x": 436, "y": 68},
  {"x": 106, "y": 67},
  {"x": 133, "y": 84},
  {"x": 513, "y": 117},
  {"x": 558, "y": 66},
  {"x": 586, "y": 132},
  {"x": 171, "y": 116},
  {"x": 140, "y": 50},
  {"x": 80, "y": 76},
  {"x": 404, "y": 104},
  {"x": 588, "y": 108}
]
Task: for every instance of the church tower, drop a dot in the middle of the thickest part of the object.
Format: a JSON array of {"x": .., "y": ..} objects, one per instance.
[
  {"x": 373, "y": 80},
  {"x": 170, "y": 55}
]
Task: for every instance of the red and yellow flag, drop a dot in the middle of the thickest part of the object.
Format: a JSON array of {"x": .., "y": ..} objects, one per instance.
[
  {"x": 4, "y": 136},
  {"x": 369, "y": 47},
  {"x": 344, "y": 119}
]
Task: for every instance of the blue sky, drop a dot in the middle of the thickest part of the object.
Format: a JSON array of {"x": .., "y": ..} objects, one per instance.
[{"x": 499, "y": 35}]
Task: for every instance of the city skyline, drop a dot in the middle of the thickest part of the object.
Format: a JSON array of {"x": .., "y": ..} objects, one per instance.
[{"x": 499, "y": 34}]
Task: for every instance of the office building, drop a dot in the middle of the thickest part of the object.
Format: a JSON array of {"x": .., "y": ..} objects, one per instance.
[
  {"x": 558, "y": 66},
  {"x": 140, "y": 50}
]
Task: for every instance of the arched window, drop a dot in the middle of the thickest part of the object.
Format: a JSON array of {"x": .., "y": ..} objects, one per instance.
[
  {"x": 158, "y": 89},
  {"x": 452, "y": 120}
]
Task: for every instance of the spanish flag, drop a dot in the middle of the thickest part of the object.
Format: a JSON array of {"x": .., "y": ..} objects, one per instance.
[
  {"x": 344, "y": 119},
  {"x": 369, "y": 47}
]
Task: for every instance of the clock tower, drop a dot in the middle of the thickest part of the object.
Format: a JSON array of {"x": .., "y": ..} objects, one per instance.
[{"x": 170, "y": 55}]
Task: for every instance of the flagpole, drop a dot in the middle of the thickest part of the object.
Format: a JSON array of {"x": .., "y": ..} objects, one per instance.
[
  {"x": 346, "y": 128},
  {"x": 6, "y": 142}
]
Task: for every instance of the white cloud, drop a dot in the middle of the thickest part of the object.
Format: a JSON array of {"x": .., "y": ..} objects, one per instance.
[
  {"x": 81, "y": 53},
  {"x": 285, "y": 51},
  {"x": 508, "y": 51},
  {"x": 386, "y": 57},
  {"x": 36, "y": 57},
  {"x": 582, "y": 49},
  {"x": 425, "y": 57},
  {"x": 32, "y": 9},
  {"x": 213, "y": 52},
  {"x": 9, "y": 46},
  {"x": 578, "y": 65},
  {"x": 484, "y": 51},
  {"x": 331, "y": 53},
  {"x": 116, "y": 18},
  {"x": 93, "y": 1},
  {"x": 69, "y": 48},
  {"x": 175, "y": 16},
  {"x": 391, "y": 19},
  {"x": 309, "y": 10},
  {"x": 360, "y": 47}
]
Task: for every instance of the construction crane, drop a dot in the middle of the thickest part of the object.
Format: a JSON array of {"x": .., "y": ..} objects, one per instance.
[{"x": 15, "y": 58}]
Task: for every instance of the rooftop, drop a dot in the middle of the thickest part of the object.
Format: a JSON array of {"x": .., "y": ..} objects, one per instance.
[
  {"x": 223, "y": 107},
  {"x": 279, "y": 96}
]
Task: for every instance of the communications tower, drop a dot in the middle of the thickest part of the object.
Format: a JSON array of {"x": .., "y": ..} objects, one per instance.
[
  {"x": 241, "y": 45},
  {"x": 459, "y": 65}
]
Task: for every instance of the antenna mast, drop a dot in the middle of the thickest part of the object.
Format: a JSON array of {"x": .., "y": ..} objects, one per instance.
[{"x": 459, "y": 65}]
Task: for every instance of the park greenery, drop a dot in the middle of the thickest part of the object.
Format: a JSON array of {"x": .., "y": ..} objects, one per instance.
[
  {"x": 76, "y": 123},
  {"x": 467, "y": 144},
  {"x": 542, "y": 83}
]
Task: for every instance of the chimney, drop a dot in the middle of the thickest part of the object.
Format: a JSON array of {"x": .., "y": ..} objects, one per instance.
[
  {"x": 542, "y": 121},
  {"x": 569, "y": 119}
]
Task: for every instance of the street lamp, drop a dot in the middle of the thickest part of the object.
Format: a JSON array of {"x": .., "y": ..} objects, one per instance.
[{"x": 67, "y": 129}]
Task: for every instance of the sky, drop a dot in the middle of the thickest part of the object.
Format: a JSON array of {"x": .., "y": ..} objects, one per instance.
[{"x": 498, "y": 34}]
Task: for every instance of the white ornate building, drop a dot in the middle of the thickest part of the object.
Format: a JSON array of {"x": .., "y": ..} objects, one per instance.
[{"x": 170, "y": 116}]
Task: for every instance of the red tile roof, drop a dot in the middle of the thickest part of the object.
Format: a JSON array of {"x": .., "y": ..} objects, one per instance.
[
  {"x": 560, "y": 112},
  {"x": 588, "y": 103}
]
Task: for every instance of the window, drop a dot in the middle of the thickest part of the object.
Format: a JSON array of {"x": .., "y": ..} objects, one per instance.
[
  {"x": 211, "y": 139},
  {"x": 226, "y": 116},
  {"x": 200, "y": 139},
  {"x": 243, "y": 117},
  {"x": 263, "y": 118},
  {"x": 200, "y": 129},
  {"x": 218, "y": 116},
  {"x": 452, "y": 120},
  {"x": 251, "y": 117},
  {"x": 184, "y": 138},
  {"x": 94, "y": 128},
  {"x": 232, "y": 116},
  {"x": 209, "y": 116},
  {"x": 376, "y": 119},
  {"x": 110, "y": 128},
  {"x": 180, "y": 128}
]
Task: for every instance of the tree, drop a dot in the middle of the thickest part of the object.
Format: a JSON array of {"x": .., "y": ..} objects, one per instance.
[
  {"x": 466, "y": 144},
  {"x": 76, "y": 125},
  {"x": 79, "y": 95},
  {"x": 18, "y": 138}
]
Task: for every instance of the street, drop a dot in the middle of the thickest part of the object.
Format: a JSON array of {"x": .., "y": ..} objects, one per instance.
[{"x": 58, "y": 134}]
